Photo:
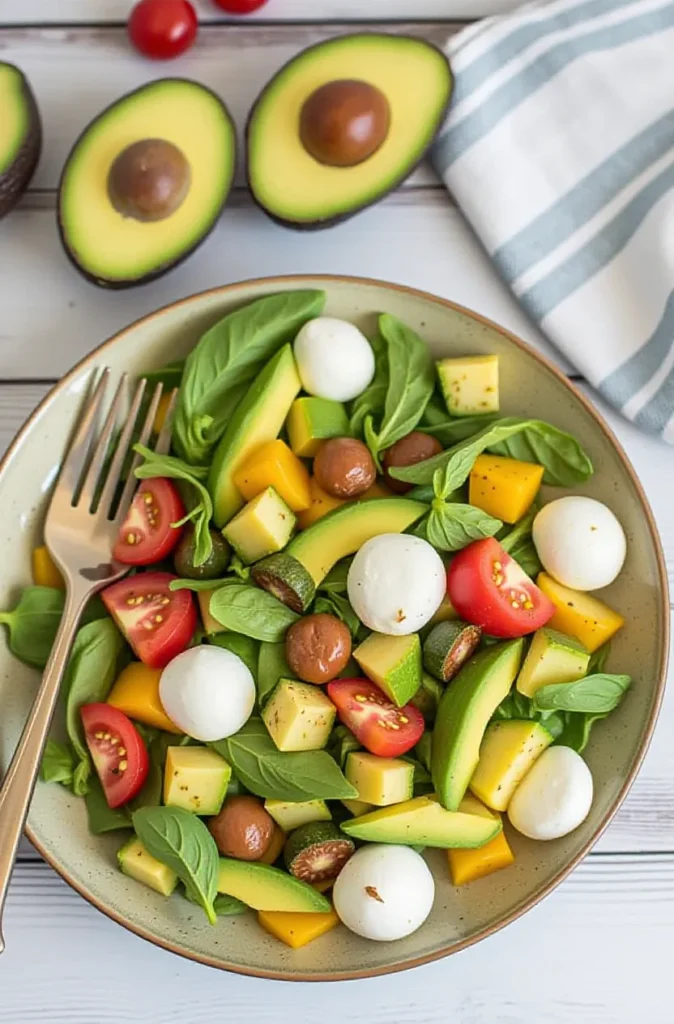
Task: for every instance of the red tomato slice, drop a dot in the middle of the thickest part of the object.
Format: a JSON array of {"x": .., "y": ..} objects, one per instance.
[
  {"x": 146, "y": 535},
  {"x": 117, "y": 750},
  {"x": 488, "y": 588},
  {"x": 375, "y": 721},
  {"x": 158, "y": 623}
]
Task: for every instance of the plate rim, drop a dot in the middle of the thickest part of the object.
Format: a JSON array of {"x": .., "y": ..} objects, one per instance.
[{"x": 304, "y": 280}]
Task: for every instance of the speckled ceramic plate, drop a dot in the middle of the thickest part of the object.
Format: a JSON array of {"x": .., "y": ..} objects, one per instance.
[{"x": 530, "y": 386}]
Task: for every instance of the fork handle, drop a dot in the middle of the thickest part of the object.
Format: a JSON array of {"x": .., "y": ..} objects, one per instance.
[{"x": 17, "y": 788}]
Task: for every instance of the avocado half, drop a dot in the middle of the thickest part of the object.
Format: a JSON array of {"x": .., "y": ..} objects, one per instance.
[
  {"x": 20, "y": 135},
  {"x": 113, "y": 249},
  {"x": 296, "y": 189}
]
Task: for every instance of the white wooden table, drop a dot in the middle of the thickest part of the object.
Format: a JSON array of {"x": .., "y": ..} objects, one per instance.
[{"x": 599, "y": 950}]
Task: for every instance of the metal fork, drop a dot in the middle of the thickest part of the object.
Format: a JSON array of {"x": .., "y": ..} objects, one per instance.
[{"x": 80, "y": 530}]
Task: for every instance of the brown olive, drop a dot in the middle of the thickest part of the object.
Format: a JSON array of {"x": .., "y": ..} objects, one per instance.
[
  {"x": 344, "y": 467},
  {"x": 242, "y": 829},
  {"x": 149, "y": 180},
  {"x": 413, "y": 448},
  {"x": 344, "y": 122},
  {"x": 318, "y": 648}
]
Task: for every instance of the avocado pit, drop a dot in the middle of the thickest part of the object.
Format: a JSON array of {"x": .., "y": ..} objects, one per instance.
[
  {"x": 344, "y": 122},
  {"x": 149, "y": 180}
]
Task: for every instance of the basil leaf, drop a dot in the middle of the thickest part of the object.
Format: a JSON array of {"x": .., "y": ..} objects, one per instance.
[
  {"x": 182, "y": 842},
  {"x": 596, "y": 694},
  {"x": 228, "y": 906},
  {"x": 598, "y": 659},
  {"x": 58, "y": 763},
  {"x": 342, "y": 742},
  {"x": 268, "y": 772},
  {"x": 243, "y": 646},
  {"x": 102, "y": 818},
  {"x": 34, "y": 622},
  {"x": 90, "y": 674},
  {"x": 335, "y": 581},
  {"x": 371, "y": 401},
  {"x": 169, "y": 375},
  {"x": 199, "y": 500},
  {"x": 271, "y": 666},
  {"x": 410, "y": 385},
  {"x": 576, "y": 730},
  {"x": 451, "y": 526},
  {"x": 517, "y": 706},
  {"x": 335, "y": 604},
  {"x": 564, "y": 460},
  {"x": 251, "y": 611},
  {"x": 448, "y": 430},
  {"x": 520, "y": 546},
  {"x": 225, "y": 361}
]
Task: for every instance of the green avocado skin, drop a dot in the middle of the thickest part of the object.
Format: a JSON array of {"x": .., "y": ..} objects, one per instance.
[
  {"x": 15, "y": 179},
  {"x": 463, "y": 715}
]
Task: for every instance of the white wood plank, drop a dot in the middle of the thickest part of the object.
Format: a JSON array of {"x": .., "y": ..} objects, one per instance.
[
  {"x": 91, "y": 11},
  {"x": 64, "y": 68},
  {"x": 597, "y": 951},
  {"x": 51, "y": 316}
]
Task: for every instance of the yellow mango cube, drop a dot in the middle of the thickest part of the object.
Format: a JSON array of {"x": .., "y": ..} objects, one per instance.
[
  {"x": 580, "y": 614},
  {"x": 136, "y": 693},
  {"x": 45, "y": 571},
  {"x": 320, "y": 503},
  {"x": 504, "y": 488},
  {"x": 469, "y": 865},
  {"x": 274, "y": 465},
  {"x": 295, "y": 929}
]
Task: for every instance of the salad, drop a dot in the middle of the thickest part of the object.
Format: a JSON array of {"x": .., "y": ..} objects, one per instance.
[{"x": 359, "y": 623}]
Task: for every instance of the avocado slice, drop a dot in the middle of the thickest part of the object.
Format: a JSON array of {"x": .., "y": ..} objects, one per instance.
[
  {"x": 552, "y": 657},
  {"x": 393, "y": 663},
  {"x": 258, "y": 417},
  {"x": 263, "y": 527},
  {"x": 116, "y": 249},
  {"x": 263, "y": 887},
  {"x": 469, "y": 384},
  {"x": 379, "y": 780},
  {"x": 507, "y": 752},
  {"x": 463, "y": 715},
  {"x": 289, "y": 814},
  {"x": 135, "y": 861},
  {"x": 423, "y": 822},
  {"x": 20, "y": 135},
  {"x": 410, "y": 83},
  {"x": 299, "y": 716},
  {"x": 196, "y": 779}
]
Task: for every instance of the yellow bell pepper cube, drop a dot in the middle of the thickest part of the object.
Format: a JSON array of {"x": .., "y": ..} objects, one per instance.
[
  {"x": 580, "y": 614},
  {"x": 504, "y": 488},
  {"x": 136, "y": 693},
  {"x": 45, "y": 572},
  {"x": 469, "y": 865},
  {"x": 162, "y": 411},
  {"x": 296, "y": 930},
  {"x": 274, "y": 465}
]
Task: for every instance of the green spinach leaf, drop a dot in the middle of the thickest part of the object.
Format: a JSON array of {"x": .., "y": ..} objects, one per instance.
[
  {"x": 251, "y": 611},
  {"x": 90, "y": 674},
  {"x": 342, "y": 742},
  {"x": 34, "y": 622},
  {"x": 267, "y": 772},
  {"x": 58, "y": 763},
  {"x": 243, "y": 646},
  {"x": 371, "y": 401},
  {"x": 451, "y": 429},
  {"x": 335, "y": 604},
  {"x": 225, "y": 361},
  {"x": 102, "y": 818},
  {"x": 451, "y": 526},
  {"x": 410, "y": 385},
  {"x": 597, "y": 694},
  {"x": 598, "y": 659},
  {"x": 228, "y": 906},
  {"x": 201, "y": 506},
  {"x": 271, "y": 666},
  {"x": 335, "y": 581},
  {"x": 520, "y": 546},
  {"x": 182, "y": 842}
]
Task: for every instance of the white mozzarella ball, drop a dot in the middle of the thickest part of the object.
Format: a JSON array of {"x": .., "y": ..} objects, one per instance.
[
  {"x": 396, "y": 583},
  {"x": 207, "y": 692},
  {"x": 580, "y": 542},
  {"x": 334, "y": 359},
  {"x": 554, "y": 797},
  {"x": 384, "y": 892}
]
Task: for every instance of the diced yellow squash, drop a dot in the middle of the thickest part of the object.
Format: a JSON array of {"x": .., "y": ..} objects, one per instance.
[
  {"x": 507, "y": 752},
  {"x": 469, "y": 865},
  {"x": 262, "y": 527},
  {"x": 320, "y": 503},
  {"x": 136, "y": 693},
  {"x": 580, "y": 614},
  {"x": 380, "y": 781},
  {"x": 274, "y": 465},
  {"x": 504, "y": 488},
  {"x": 296, "y": 930},
  {"x": 299, "y": 716},
  {"x": 162, "y": 412},
  {"x": 210, "y": 624},
  {"x": 45, "y": 572},
  {"x": 469, "y": 384}
]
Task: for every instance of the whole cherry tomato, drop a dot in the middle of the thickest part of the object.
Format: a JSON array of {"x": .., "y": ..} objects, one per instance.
[
  {"x": 240, "y": 6},
  {"x": 162, "y": 29}
]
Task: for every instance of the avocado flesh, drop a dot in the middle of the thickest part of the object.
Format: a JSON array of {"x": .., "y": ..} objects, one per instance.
[
  {"x": 116, "y": 251},
  {"x": 464, "y": 712},
  {"x": 346, "y": 529},
  {"x": 263, "y": 887},
  {"x": 293, "y": 187},
  {"x": 20, "y": 135},
  {"x": 423, "y": 822}
]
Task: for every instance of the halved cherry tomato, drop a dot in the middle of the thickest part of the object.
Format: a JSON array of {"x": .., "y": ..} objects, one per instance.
[
  {"x": 488, "y": 588},
  {"x": 146, "y": 535},
  {"x": 162, "y": 29},
  {"x": 375, "y": 721},
  {"x": 240, "y": 6},
  {"x": 158, "y": 623},
  {"x": 117, "y": 750}
]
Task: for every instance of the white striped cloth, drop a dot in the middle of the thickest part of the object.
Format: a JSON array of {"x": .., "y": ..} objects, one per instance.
[{"x": 559, "y": 148}]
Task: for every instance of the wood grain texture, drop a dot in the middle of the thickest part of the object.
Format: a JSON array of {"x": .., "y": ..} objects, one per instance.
[{"x": 91, "y": 11}]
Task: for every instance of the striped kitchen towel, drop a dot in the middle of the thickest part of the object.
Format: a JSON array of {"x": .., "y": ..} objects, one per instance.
[{"x": 559, "y": 148}]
